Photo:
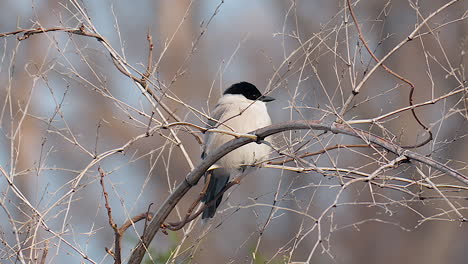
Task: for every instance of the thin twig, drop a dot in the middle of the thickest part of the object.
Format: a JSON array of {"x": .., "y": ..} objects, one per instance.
[
  {"x": 45, "y": 251},
  {"x": 309, "y": 154},
  {"x": 117, "y": 255},
  {"x": 118, "y": 232},
  {"x": 403, "y": 79}
]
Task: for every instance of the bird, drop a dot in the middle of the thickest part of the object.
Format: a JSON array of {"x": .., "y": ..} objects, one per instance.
[{"x": 241, "y": 109}]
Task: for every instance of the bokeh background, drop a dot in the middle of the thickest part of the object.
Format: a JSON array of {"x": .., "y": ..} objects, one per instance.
[{"x": 64, "y": 102}]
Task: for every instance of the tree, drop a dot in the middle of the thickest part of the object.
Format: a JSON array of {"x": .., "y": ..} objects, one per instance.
[{"x": 105, "y": 105}]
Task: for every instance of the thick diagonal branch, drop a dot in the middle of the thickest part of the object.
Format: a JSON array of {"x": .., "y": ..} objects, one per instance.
[{"x": 194, "y": 176}]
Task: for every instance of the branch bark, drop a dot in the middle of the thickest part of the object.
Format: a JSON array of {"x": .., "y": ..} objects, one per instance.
[{"x": 194, "y": 176}]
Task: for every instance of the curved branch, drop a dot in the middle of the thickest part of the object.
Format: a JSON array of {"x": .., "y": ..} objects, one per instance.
[
  {"x": 403, "y": 79},
  {"x": 194, "y": 176}
]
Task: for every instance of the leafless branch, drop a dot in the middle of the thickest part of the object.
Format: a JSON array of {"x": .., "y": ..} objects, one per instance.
[{"x": 194, "y": 176}]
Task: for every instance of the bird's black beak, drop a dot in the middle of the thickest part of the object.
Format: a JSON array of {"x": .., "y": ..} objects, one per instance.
[{"x": 265, "y": 98}]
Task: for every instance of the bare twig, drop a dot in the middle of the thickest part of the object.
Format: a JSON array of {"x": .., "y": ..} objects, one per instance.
[
  {"x": 29, "y": 32},
  {"x": 410, "y": 37},
  {"x": 118, "y": 232},
  {"x": 45, "y": 251},
  {"x": 118, "y": 236},
  {"x": 309, "y": 154},
  {"x": 403, "y": 79}
]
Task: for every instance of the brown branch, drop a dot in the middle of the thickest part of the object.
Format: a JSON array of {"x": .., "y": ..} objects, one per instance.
[
  {"x": 410, "y": 37},
  {"x": 149, "y": 217},
  {"x": 149, "y": 66},
  {"x": 194, "y": 176},
  {"x": 118, "y": 236},
  {"x": 29, "y": 32},
  {"x": 143, "y": 216},
  {"x": 177, "y": 226},
  {"x": 142, "y": 81},
  {"x": 403, "y": 79},
  {"x": 174, "y": 226},
  {"x": 44, "y": 253},
  {"x": 118, "y": 232}
]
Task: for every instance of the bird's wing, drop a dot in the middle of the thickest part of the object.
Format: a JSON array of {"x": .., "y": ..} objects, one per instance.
[
  {"x": 212, "y": 123},
  {"x": 217, "y": 115}
]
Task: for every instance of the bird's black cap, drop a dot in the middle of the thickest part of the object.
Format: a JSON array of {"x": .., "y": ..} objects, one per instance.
[{"x": 249, "y": 91}]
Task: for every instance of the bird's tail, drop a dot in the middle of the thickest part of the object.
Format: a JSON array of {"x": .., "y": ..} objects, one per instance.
[{"x": 219, "y": 178}]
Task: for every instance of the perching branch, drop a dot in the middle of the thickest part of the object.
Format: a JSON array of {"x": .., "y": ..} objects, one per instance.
[{"x": 194, "y": 176}]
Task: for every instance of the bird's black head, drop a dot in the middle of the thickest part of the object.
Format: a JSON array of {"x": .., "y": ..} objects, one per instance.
[{"x": 249, "y": 91}]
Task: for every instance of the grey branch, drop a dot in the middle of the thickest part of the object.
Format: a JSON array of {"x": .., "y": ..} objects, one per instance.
[{"x": 194, "y": 176}]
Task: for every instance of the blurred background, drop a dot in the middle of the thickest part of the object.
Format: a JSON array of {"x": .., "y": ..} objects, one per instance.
[{"x": 66, "y": 109}]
